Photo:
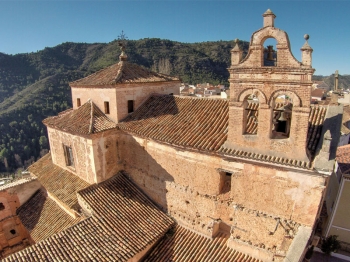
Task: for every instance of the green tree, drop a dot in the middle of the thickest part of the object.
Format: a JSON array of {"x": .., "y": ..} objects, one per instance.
[{"x": 330, "y": 244}]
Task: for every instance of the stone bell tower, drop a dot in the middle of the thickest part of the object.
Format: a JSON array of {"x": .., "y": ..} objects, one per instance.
[{"x": 270, "y": 95}]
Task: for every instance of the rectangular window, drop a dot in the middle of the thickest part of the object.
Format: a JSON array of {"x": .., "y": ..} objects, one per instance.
[
  {"x": 106, "y": 107},
  {"x": 130, "y": 106},
  {"x": 225, "y": 182},
  {"x": 78, "y": 102},
  {"x": 69, "y": 156}
]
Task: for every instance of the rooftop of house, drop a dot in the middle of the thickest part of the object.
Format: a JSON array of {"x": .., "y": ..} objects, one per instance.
[
  {"x": 87, "y": 119},
  {"x": 43, "y": 217},
  {"x": 122, "y": 223},
  {"x": 343, "y": 158},
  {"x": 181, "y": 244},
  {"x": 201, "y": 124},
  {"x": 183, "y": 121},
  {"x": 17, "y": 182},
  {"x": 194, "y": 123},
  {"x": 62, "y": 184},
  {"x": 318, "y": 92},
  {"x": 123, "y": 72}
]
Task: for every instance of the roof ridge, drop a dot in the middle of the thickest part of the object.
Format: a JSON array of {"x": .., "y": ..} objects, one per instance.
[
  {"x": 120, "y": 71},
  {"x": 91, "y": 116}
]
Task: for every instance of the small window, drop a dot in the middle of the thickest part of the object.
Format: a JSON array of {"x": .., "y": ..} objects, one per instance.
[
  {"x": 13, "y": 232},
  {"x": 78, "y": 102},
  {"x": 2, "y": 207},
  {"x": 225, "y": 182},
  {"x": 69, "y": 156},
  {"x": 130, "y": 106},
  {"x": 106, "y": 107}
]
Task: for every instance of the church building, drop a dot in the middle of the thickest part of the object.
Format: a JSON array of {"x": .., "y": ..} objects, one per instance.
[{"x": 138, "y": 173}]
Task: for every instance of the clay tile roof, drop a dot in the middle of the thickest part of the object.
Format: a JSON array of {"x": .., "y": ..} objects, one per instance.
[
  {"x": 17, "y": 182},
  {"x": 123, "y": 223},
  {"x": 87, "y": 119},
  {"x": 343, "y": 158},
  {"x": 43, "y": 217},
  {"x": 123, "y": 73},
  {"x": 62, "y": 184},
  {"x": 128, "y": 210},
  {"x": 199, "y": 123},
  {"x": 318, "y": 92},
  {"x": 184, "y": 245},
  {"x": 316, "y": 119}
]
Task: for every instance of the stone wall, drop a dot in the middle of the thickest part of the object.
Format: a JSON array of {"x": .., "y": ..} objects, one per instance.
[
  {"x": 13, "y": 235},
  {"x": 98, "y": 96},
  {"x": 118, "y": 96},
  {"x": 95, "y": 157},
  {"x": 263, "y": 210}
]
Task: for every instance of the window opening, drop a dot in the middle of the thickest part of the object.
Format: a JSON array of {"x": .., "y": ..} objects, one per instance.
[
  {"x": 130, "y": 106},
  {"x": 282, "y": 116},
  {"x": 78, "y": 102},
  {"x": 225, "y": 183},
  {"x": 2, "y": 207},
  {"x": 106, "y": 107},
  {"x": 69, "y": 156},
  {"x": 251, "y": 115},
  {"x": 13, "y": 232}
]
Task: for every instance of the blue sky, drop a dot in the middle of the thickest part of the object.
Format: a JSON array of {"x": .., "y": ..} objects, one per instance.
[{"x": 29, "y": 26}]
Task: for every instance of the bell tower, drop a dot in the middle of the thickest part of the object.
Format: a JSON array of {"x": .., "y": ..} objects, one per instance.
[{"x": 270, "y": 95}]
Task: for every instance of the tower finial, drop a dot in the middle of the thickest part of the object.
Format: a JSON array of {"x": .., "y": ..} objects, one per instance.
[
  {"x": 306, "y": 52},
  {"x": 122, "y": 40},
  {"x": 269, "y": 18}
]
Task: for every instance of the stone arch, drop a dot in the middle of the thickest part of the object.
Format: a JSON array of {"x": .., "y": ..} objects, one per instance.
[
  {"x": 295, "y": 98},
  {"x": 259, "y": 94},
  {"x": 283, "y": 46},
  {"x": 259, "y": 37}
]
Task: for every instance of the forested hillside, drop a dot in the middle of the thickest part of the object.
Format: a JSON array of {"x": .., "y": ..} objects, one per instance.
[{"x": 34, "y": 86}]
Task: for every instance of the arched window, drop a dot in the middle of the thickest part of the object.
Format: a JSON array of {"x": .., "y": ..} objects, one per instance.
[
  {"x": 270, "y": 53},
  {"x": 251, "y": 113},
  {"x": 282, "y": 117}
]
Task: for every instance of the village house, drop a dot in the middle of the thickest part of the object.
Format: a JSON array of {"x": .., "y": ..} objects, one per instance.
[
  {"x": 337, "y": 199},
  {"x": 137, "y": 172}
]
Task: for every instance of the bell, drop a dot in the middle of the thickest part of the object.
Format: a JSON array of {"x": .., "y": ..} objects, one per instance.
[{"x": 282, "y": 117}]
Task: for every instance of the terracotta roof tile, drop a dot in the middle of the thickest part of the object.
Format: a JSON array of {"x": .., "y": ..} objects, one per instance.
[
  {"x": 185, "y": 245},
  {"x": 136, "y": 218},
  {"x": 87, "y": 119},
  {"x": 61, "y": 184},
  {"x": 202, "y": 123},
  {"x": 43, "y": 217},
  {"x": 123, "y": 73},
  {"x": 17, "y": 182},
  {"x": 183, "y": 121},
  {"x": 343, "y": 158},
  {"x": 265, "y": 158},
  {"x": 316, "y": 119},
  {"x": 318, "y": 92},
  {"x": 123, "y": 222}
]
